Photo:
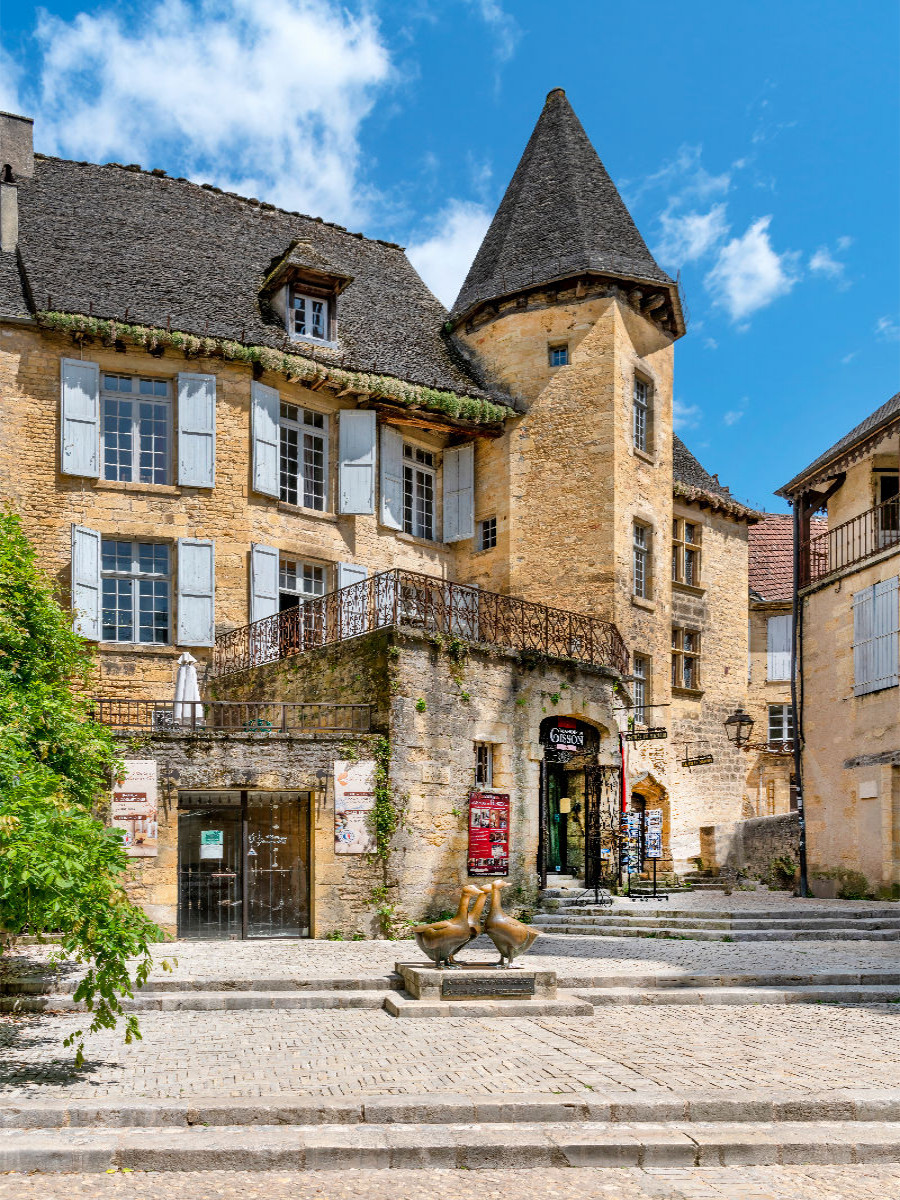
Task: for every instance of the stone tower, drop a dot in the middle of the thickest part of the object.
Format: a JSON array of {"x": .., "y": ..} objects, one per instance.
[{"x": 565, "y": 304}]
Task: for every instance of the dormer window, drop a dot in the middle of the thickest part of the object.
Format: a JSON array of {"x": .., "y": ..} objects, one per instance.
[{"x": 309, "y": 316}]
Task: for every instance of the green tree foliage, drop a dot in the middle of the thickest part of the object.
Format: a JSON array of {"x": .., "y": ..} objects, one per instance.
[{"x": 61, "y": 869}]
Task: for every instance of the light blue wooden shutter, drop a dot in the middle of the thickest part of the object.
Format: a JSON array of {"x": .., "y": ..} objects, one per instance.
[
  {"x": 391, "y": 478},
  {"x": 863, "y": 648},
  {"x": 196, "y": 429},
  {"x": 459, "y": 493},
  {"x": 80, "y": 418},
  {"x": 265, "y": 404},
  {"x": 263, "y": 581},
  {"x": 196, "y": 592},
  {"x": 357, "y": 452},
  {"x": 353, "y": 605},
  {"x": 779, "y": 647},
  {"x": 86, "y": 587},
  {"x": 885, "y": 626}
]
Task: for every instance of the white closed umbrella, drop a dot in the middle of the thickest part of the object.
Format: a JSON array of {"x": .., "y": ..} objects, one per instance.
[{"x": 187, "y": 692}]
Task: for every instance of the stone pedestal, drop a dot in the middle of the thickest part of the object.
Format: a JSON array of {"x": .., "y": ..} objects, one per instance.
[{"x": 481, "y": 990}]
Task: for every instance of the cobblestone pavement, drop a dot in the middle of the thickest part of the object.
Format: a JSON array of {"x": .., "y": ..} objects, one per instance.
[
  {"x": 807, "y": 1049},
  {"x": 699, "y": 1183}
]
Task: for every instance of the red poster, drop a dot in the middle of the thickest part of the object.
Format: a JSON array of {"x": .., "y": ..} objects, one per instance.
[{"x": 488, "y": 833}]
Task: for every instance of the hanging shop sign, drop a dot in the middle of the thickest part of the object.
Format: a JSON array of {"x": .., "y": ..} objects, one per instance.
[
  {"x": 564, "y": 737},
  {"x": 488, "y": 833},
  {"x": 135, "y": 807},
  {"x": 646, "y": 735},
  {"x": 354, "y": 799},
  {"x": 700, "y": 760}
]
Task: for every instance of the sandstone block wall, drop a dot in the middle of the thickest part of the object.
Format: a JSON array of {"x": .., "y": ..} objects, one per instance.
[{"x": 751, "y": 846}]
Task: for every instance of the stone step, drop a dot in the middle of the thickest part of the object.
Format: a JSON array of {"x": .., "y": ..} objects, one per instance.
[
  {"x": 807, "y": 994},
  {"x": 47, "y": 984},
  {"x": 401, "y": 1004},
  {"x": 849, "y": 915},
  {"x": 770, "y": 979},
  {"x": 647, "y": 921},
  {"x": 599, "y": 929},
  {"x": 468, "y": 1146},
  {"x": 203, "y": 1001}
]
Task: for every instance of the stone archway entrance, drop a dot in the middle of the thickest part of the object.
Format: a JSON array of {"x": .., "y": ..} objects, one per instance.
[{"x": 570, "y": 749}]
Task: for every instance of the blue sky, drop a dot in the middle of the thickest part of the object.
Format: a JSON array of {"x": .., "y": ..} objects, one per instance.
[{"x": 757, "y": 147}]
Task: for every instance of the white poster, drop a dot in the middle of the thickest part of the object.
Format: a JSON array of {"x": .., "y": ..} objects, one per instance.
[
  {"x": 134, "y": 807},
  {"x": 354, "y": 799},
  {"x": 654, "y": 818}
]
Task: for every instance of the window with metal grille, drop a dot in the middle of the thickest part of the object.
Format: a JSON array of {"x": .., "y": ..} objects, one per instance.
[
  {"x": 484, "y": 765},
  {"x": 685, "y": 658},
  {"x": 309, "y": 317},
  {"x": 641, "y": 414},
  {"x": 303, "y": 467},
  {"x": 559, "y": 356},
  {"x": 686, "y": 552},
  {"x": 136, "y": 582},
  {"x": 781, "y": 723},
  {"x": 487, "y": 534},
  {"x": 135, "y": 429},
  {"x": 642, "y": 560},
  {"x": 640, "y": 688},
  {"x": 418, "y": 492}
]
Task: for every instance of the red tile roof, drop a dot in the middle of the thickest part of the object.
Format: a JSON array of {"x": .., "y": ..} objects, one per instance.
[{"x": 771, "y": 546}]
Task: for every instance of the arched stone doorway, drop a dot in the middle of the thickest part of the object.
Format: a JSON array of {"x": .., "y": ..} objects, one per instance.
[
  {"x": 645, "y": 795},
  {"x": 571, "y": 753}
]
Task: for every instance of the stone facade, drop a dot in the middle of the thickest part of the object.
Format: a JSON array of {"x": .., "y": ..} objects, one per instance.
[
  {"x": 770, "y": 772},
  {"x": 761, "y": 848}
]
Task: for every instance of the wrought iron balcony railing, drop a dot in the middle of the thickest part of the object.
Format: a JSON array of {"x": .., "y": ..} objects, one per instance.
[
  {"x": 852, "y": 542},
  {"x": 231, "y": 716},
  {"x": 424, "y": 602}
]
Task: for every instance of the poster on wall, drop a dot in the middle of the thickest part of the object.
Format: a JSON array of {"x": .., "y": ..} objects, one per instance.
[
  {"x": 488, "y": 833},
  {"x": 354, "y": 799},
  {"x": 135, "y": 807}
]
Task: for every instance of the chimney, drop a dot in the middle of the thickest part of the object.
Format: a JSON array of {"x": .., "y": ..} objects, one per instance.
[{"x": 16, "y": 162}]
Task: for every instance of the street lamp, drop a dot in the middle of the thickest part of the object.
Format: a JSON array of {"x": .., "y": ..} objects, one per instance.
[{"x": 738, "y": 727}]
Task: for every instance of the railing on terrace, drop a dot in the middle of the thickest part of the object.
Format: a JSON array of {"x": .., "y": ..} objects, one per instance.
[
  {"x": 231, "y": 716},
  {"x": 424, "y": 602},
  {"x": 853, "y": 542}
]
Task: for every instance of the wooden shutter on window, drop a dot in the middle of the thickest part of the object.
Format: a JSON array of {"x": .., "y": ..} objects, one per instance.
[
  {"x": 885, "y": 623},
  {"x": 265, "y": 404},
  {"x": 196, "y": 592},
  {"x": 459, "y": 493},
  {"x": 779, "y": 647},
  {"x": 80, "y": 418},
  {"x": 196, "y": 429},
  {"x": 357, "y": 451},
  {"x": 391, "y": 478},
  {"x": 263, "y": 581},
  {"x": 863, "y": 648},
  {"x": 86, "y": 586}
]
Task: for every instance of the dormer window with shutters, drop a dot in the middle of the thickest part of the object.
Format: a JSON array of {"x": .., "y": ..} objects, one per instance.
[{"x": 301, "y": 290}]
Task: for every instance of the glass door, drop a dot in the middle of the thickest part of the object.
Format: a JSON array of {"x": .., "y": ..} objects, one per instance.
[
  {"x": 210, "y": 866},
  {"x": 277, "y": 864}
]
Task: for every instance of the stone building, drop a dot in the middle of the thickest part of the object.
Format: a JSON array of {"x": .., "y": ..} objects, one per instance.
[
  {"x": 415, "y": 553},
  {"x": 848, "y": 651}
]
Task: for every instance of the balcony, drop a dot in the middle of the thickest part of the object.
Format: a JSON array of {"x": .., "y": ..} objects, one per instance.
[
  {"x": 227, "y": 716},
  {"x": 852, "y": 543},
  {"x": 429, "y": 604}
]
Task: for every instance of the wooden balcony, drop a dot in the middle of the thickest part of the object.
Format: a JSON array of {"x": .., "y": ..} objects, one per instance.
[{"x": 851, "y": 543}]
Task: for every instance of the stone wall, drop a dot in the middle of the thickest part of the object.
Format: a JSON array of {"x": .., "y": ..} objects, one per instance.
[{"x": 751, "y": 846}]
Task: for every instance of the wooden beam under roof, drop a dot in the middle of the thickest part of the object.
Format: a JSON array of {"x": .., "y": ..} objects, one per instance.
[{"x": 419, "y": 418}]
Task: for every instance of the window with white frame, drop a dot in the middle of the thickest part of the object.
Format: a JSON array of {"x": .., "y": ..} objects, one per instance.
[
  {"x": 136, "y": 582},
  {"x": 309, "y": 317},
  {"x": 299, "y": 580},
  {"x": 303, "y": 448},
  {"x": 418, "y": 492},
  {"x": 135, "y": 429},
  {"x": 685, "y": 658},
  {"x": 641, "y": 414},
  {"x": 487, "y": 534},
  {"x": 484, "y": 765},
  {"x": 640, "y": 688},
  {"x": 781, "y": 723},
  {"x": 685, "y": 552},
  {"x": 642, "y": 560}
]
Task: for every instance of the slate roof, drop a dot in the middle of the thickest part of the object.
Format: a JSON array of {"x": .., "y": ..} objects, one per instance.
[
  {"x": 561, "y": 212},
  {"x": 123, "y": 243},
  {"x": 694, "y": 483},
  {"x": 771, "y": 555},
  {"x": 880, "y": 418}
]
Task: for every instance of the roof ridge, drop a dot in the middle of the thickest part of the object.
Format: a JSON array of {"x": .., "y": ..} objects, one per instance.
[{"x": 254, "y": 201}]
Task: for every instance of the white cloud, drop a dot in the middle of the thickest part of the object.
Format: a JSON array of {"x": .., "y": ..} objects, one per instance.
[
  {"x": 823, "y": 264},
  {"x": 888, "y": 329},
  {"x": 732, "y": 416},
  {"x": 710, "y": 343},
  {"x": 684, "y": 177},
  {"x": 749, "y": 274},
  {"x": 688, "y": 236},
  {"x": 10, "y": 83},
  {"x": 504, "y": 26},
  {"x": 848, "y": 358},
  {"x": 443, "y": 258},
  {"x": 685, "y": 416},
  {"x": 262, "y": 99}
]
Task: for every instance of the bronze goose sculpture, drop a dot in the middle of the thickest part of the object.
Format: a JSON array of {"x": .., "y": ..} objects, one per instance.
[
  {"x": 511, "y": 937},
  {"x": 474, "y": 916},
  {"x": 440, "y": 940}
]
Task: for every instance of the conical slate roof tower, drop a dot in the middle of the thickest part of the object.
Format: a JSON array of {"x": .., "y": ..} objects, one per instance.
[{"x": 562, "y": 216}]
